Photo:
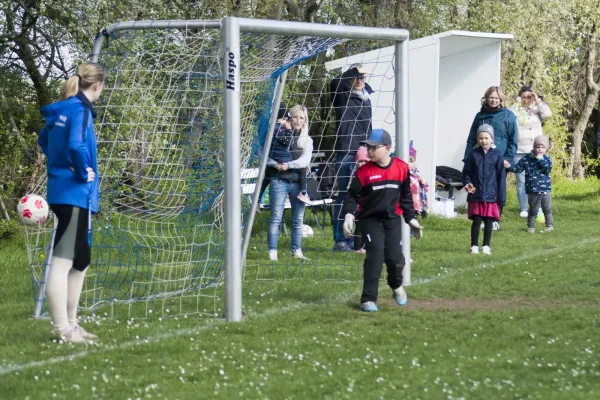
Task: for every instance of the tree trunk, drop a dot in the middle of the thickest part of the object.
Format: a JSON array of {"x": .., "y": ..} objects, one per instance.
[
  {"x": 575, "y": 167},
  {"x": 3, "y": 210}
]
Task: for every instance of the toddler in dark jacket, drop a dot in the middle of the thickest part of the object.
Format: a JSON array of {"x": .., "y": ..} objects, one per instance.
[{"x": 537, "y": 166}]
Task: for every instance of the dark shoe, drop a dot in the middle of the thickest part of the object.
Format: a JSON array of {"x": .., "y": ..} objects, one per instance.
[{"x": 341, "y": 246}]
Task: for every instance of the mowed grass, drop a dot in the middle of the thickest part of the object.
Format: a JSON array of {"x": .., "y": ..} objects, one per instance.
[{"x": 522, "y": 323}]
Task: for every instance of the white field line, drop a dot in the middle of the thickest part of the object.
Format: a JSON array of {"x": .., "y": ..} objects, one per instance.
[
  {"x": 491, "y": 264},
  {"x": 9, "y": 368}
]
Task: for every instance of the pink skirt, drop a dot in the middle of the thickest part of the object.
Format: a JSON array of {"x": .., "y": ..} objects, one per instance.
[{"x": 483, "y": 209}]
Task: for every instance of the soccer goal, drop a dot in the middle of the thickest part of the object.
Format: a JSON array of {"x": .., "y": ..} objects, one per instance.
[{"x": 185, "y": 123}]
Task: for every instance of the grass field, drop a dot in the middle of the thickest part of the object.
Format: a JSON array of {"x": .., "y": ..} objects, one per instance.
[{"x": 522, "y": 323}]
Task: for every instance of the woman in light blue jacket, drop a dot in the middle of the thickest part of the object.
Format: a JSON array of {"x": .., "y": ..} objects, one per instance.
[{"x": 69, "y": 142}]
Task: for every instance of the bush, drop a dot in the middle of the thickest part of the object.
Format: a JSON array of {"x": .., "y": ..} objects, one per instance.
[{"x": 10, "y": 228}]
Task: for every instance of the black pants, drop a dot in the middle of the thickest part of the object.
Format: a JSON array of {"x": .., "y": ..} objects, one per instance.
[
  {"x": 487, "y": 230},
  {"x": 71, "y": 240},
  {"x": 381, "y": 238}
]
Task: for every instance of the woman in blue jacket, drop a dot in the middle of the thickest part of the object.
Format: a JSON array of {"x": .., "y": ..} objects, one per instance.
[
  {"x": 506, "y": 134},
  {"x": 69, "y": 142}
]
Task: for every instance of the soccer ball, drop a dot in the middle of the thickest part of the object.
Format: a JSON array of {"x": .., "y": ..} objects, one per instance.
[
  {"x": 33, "y": 209},
  {"x": 307, "y": 231}
]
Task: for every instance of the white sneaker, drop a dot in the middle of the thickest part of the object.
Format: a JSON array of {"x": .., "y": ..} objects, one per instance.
[
  {"x": 523, "y": 214},
  {"x": 474, "y": 250},
  {"x": 369, "y": 306},
  {"x": 400, "y": 296},
  {"x": 547, "y": 229},
  {"x": 486, "y": 250},
  {"x": 298, "y": 254},
  {"x": 304, "y": 198},
  {"x": 273, "y": 255},
  {"x": 72, "y": 336},
  {"x": 85, "y": 334}
]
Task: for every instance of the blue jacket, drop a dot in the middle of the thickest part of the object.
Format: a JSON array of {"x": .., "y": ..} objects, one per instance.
[
  {"x": 70, "y": 149},
  {"x": 506, "y": 132},
  {"x": 537, "y": 173},
  {"x": 281, "y": 145},
  {"x": 487, "y": 173}
]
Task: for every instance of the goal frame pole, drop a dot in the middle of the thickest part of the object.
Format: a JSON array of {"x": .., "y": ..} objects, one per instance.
[{"x": 231, "y": 28}]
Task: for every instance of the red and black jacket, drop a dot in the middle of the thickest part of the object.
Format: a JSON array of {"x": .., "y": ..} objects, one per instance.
[{"x": 380, "y": 192}]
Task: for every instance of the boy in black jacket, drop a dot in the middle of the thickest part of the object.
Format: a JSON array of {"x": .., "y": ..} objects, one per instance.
[{"x": 378, "y": 196}]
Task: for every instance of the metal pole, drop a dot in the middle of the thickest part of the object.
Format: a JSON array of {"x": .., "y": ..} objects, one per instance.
[
  {"x": 233, "y": 196},
  {"x": 40, "y": 295},
  {"x": 270, "y": 26},
  {"x": 263, "y": 165},
  {"x": 402, "y": 136},
  {"x": 97, "y": 47},
  {"x": 320, "y": 30}
]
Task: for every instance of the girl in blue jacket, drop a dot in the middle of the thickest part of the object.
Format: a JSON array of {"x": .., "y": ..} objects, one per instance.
[
  {"x": 484, "y": 177},
  {"x": 69, "y": 142},
  {"x": 506, "y": 134}
]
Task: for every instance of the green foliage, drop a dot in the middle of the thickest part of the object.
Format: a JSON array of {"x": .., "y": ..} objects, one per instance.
[
  {"x": 549, "y": 50},
  {"x": 10, "y": 228}
]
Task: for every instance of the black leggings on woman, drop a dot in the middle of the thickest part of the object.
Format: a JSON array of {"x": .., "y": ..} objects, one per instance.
[{"x": 487, "y": 230}]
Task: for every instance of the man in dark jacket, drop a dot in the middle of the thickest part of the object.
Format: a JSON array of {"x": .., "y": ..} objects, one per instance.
[{"x": 350, "y": 97}]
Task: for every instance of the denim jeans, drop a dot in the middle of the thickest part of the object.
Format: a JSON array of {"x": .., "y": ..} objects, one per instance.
[
  {"x": 344, "y": 166},
  {"x": 521, "y": 194},
  {"x": 278, "y": 192}
]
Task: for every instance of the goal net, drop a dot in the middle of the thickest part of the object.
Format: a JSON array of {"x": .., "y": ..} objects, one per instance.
[{"x": 159, "y": 242}]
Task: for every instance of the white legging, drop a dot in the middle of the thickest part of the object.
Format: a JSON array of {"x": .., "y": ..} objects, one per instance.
[{"x": 63, "y": 290}]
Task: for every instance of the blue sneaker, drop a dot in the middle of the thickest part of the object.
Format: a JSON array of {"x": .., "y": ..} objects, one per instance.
[
  {"x": 368, "y": 306},
  {"x": 400, "y": 296}
]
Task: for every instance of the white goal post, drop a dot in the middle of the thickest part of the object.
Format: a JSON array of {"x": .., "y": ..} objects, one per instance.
[{"x": 231, "y": 27}]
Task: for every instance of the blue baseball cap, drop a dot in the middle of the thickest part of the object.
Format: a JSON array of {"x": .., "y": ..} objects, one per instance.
[{"x": 377, "y": 138}]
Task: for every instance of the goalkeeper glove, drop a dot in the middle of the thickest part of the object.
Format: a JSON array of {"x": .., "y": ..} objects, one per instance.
[
  {"x": 348, "y": 225},
  {"x": 416, "y": 228}
]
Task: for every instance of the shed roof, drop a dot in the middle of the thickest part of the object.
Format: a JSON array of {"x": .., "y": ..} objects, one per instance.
[{"x": 451, "y": 42}]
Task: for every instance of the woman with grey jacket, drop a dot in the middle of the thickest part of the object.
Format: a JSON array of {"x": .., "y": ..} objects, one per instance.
[{"x": 531, "y": 112}]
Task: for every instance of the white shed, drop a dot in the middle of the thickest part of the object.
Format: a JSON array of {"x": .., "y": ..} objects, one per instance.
[{"x": 448, "y": 74}]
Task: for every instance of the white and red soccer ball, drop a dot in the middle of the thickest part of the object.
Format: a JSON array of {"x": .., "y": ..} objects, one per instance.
[
  {"x": 307, "y": 231},
  {"x": 33, "y": 209}
]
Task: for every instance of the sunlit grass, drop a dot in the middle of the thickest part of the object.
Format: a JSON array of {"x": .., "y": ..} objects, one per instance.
[{"x": 522, "y": 323}]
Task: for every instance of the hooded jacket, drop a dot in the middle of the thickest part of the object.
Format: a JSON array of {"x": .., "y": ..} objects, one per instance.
[
  {"x": 353, "y": 113},
  {"x": 69, "y": 143},
  {"x": 537, "y": 173},
  {"x": 529, "y": 122},
  {"x": 506, "y": 134},
  {"x": 486, "y": 172}
]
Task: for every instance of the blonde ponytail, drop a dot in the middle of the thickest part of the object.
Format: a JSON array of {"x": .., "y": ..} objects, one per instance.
[
  {"x": 86, "y": 76},
  {"x": 70, "y": 88}
]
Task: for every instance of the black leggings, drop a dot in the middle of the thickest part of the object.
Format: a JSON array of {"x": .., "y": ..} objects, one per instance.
[{"x": 487, "y": 230}]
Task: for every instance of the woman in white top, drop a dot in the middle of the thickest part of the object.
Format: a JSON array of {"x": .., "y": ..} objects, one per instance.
[{"x": 531, "y": 112}]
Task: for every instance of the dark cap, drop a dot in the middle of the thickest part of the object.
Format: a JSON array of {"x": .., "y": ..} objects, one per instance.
[{"x": 378, "y": 137}]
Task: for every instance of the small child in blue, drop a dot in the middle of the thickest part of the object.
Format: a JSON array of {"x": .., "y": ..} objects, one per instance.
[{"x": 537, "y": 166}]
